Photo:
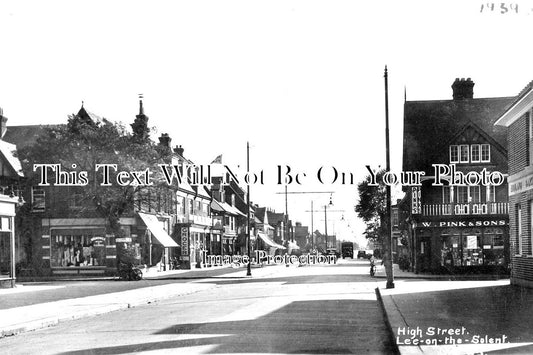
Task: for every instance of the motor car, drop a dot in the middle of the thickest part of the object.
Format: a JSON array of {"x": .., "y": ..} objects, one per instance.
[{"x": 361, "y": 254}]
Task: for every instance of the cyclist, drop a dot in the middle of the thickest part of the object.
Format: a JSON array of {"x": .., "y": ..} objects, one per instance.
[{"x": 372, "y": 265}]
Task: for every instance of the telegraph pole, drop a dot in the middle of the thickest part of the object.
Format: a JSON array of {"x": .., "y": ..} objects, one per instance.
[
  {"x": 388, "y": 234},
  {"x": 249, "y": 269}
]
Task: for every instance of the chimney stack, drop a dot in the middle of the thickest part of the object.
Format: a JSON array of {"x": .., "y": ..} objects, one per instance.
[
  {"x": 463, "y": 89},
  {"x": 164, "y": 140},
  {"x": 179, "y": 150},
  {"x": 3, "y": 124}
]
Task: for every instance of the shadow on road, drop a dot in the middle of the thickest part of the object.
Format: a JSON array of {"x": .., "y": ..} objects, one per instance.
[
  {"x": 487, "y": 312},
  {"x": 312, "y": 327}
]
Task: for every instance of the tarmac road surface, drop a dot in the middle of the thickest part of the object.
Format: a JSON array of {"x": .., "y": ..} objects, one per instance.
[{"x": 326, "y": 309}]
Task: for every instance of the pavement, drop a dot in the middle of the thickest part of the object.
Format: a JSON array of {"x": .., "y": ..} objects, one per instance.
[
  {"x": 400, "y": 274},
  {"x": 24, "y": 308},
  {"x": 432, "y": 315},
  {"x": 424, "y": 314}
]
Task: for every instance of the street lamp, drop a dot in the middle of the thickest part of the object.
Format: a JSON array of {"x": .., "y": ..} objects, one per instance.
[
  {"x": 326, "y": 221},
  {"x": 249, "y": 266}
]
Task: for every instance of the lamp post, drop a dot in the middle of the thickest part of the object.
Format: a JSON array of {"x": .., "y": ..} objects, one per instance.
[
  {"x": 249, "y": 268},
  {"x": 388, "y": 234},
  {"x": 326, "y": 221}
]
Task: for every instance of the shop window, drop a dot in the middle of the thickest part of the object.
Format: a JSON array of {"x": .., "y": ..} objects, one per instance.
[
  {"x": 5, "y": 224},
  {"x": 518, "y": 217},
  {"x": 491, "y": 193},
  {"x": 5, "y": 254},
  {"x": 464, "y": 154},
  {"x": 446, "y": 194},
  {"x": 493, "y": 247},
  {"x": 450, "y": 251},
  {"x": 475, "y": 153},
  {"x": 395, "y": 217},
  {"x": 485, "y": 153},
  {"x": 461, "y": 194},
  {"x": 76, "y": 198},
  {"x": 530, "y": 135},
  {"x": 38, "y": 199},
  {"x": 530, "y": 210},
  {"x": 528, "y": 138},
  {"x": 475, "y": 194},
  {"x": 472, "y": 248},
  {"x": 77, "y": 247},
  {"x": 182, "y": 201},
  {"x": 199, "y": 207},
  {"x": 454, "y": 154}
]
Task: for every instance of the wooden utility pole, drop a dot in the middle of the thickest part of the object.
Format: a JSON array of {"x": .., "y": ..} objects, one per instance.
[{"x": 388, "y": 233}]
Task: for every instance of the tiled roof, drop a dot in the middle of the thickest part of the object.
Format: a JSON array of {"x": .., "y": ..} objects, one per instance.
[
  {"x": 429, "y": 125},
  {"x": 23, "y": 136},
  {"x": 9, "y": 151},
  {"x": 275, "y": 218}
]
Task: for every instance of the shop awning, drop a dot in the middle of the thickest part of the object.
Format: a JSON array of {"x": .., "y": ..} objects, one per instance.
[
  {"x": 293, "y": 245},
  {"x": 153, "y": 224},
  {"x": 226, "y": 207},
  {"x": 269, "y": 241}
]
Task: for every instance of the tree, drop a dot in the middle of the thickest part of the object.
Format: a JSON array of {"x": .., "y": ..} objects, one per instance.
[
  {"x": 82, "y": 144},
  {"x": 372, "y": 207}
]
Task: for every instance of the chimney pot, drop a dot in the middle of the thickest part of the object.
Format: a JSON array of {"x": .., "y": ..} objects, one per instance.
[{"x": 463, "y": 89}]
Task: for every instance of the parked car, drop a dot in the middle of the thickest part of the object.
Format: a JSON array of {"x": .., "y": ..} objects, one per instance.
[{"x": 361, "y": 254}]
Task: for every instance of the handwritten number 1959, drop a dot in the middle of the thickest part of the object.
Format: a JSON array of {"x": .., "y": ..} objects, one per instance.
[{"x": 502, "y": 9}]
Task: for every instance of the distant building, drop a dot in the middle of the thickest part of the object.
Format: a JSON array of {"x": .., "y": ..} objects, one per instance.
[
  {"x": 266, "y": 233},
  {"x": 301, "y": 235},
  {"x": 320, "y": 241}
]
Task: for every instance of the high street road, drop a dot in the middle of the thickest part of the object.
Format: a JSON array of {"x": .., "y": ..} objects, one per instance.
[{"x": 325, "y": 309}]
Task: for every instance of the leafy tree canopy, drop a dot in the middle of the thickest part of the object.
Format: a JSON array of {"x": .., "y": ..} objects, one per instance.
[
  {"x": 80, "y": 145},
  {"x": 372, "y": 205}
]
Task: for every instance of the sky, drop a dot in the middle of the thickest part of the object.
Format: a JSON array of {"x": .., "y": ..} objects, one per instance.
[{"x": 301, "y": 81}]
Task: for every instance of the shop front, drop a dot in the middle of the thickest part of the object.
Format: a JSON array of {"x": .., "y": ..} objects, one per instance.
[
  {"x": 464, "y": 246},
  {"x": 7, "y": 241},
  {"x": 77, "y": 246},
  {"x": 84, "y": 246},
  {"x": 268, "y": 244},
  {"x": 157, "y": 243},
  {"x": 195, "y": 242}
]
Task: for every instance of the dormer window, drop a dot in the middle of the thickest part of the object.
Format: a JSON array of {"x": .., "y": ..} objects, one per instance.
[
  {"x": 485, "y": 153},
  {"x": 474, "y": 153},
  {"x": 463, "y": 154},
  {"x": 454, "y": 154}
]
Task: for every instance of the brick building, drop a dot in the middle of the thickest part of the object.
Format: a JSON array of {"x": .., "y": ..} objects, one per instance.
[
  {"x": 456, "y": 227},
  {"x": 62, "y": 234},
  {"x": 517, "y": 118}
]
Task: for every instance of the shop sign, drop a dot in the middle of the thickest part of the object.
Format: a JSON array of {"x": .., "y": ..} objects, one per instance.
[
  {"x": 521, "y": 185},
  {"x": 471, "y": 242},
  {"x": 97, "y": 239},
  {"x": 448, "y": 224},
  {"x": 184, "y": 241},
  {"x": 123, "y": 240},
  {"x": 416, "y": 200}
]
